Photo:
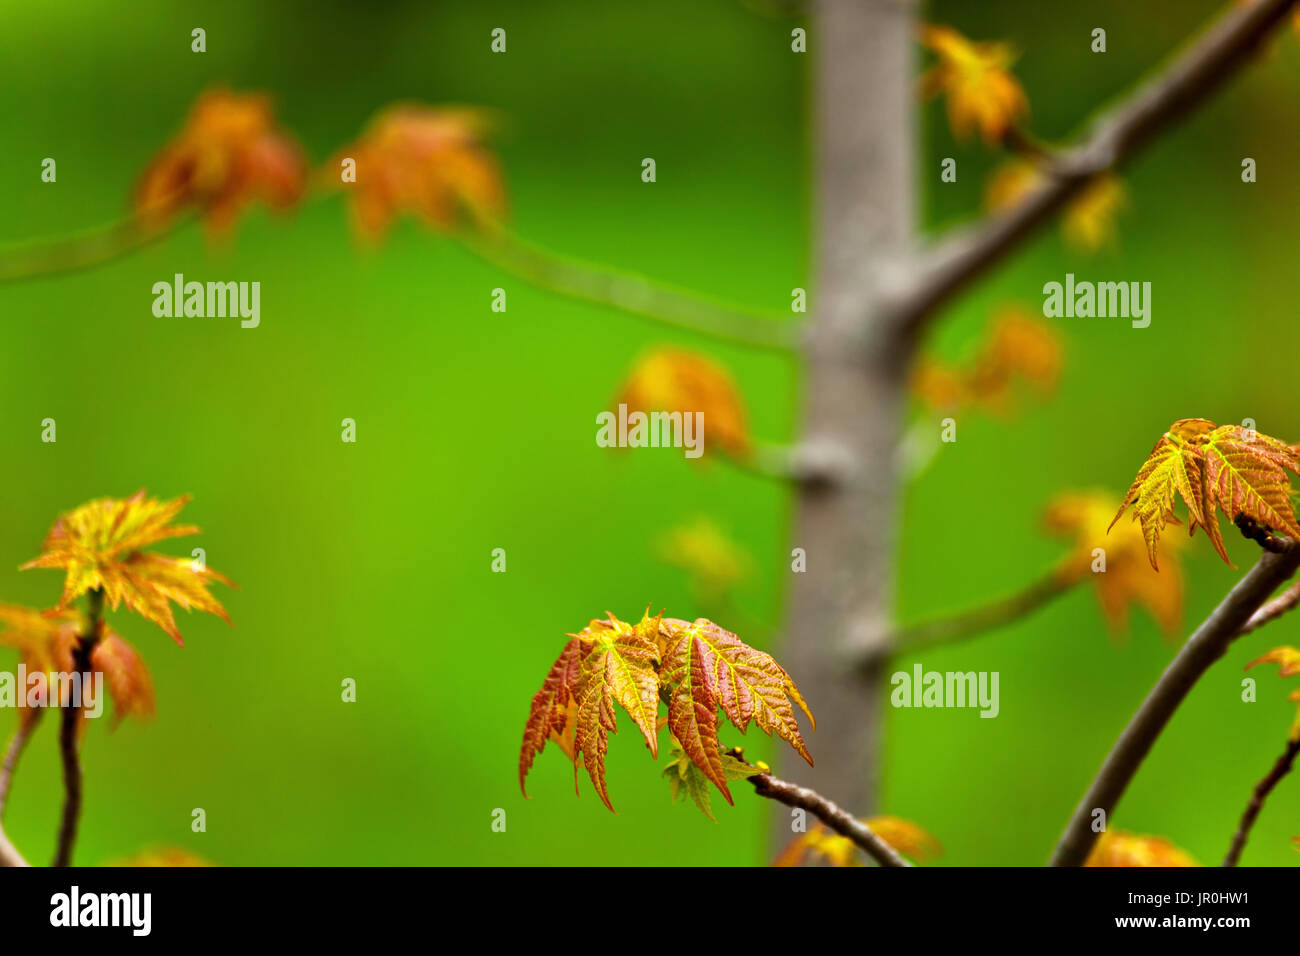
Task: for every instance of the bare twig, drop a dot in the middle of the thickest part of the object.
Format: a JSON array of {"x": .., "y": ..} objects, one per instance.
[
  {"x": 17, "y": 744},
  {"x": 1262, "y": 790},
  {"x": 1191, "y": 77},
  {"x": 831, "y": 814},
  {"x": 1209, "y": 642},
  {"x": 69, "y": 729},
  {"x": 1275, "y": 608},
  {"x": 9, "y": 855},
  {"x": 81, "y": 251},
  {"x": 948, "y": 630},
  {"x": 630, "y": 293}
]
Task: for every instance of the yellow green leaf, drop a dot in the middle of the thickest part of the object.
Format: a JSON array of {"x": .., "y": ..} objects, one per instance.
[
  {"x": 620, "y": 668},
  {"x": 98, "y": 545},
  {"x": 1118, "y": 848},
  {"x": 1210, "y": 467},
  {"x": 977, "y": 82}
]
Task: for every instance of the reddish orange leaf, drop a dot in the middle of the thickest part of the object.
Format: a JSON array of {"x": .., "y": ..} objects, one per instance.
[
  {"x": 1128, "y": 577},
  {"x": 553, "y": 706},
  {"x": 424, "y": 161},
  {"x": 1018, "y": 346},
  {"x": 708, "y": 668},
  {"x": 127, "y": 677},
  {"x": 46, "y": 641},
  {"x": 697, "y": 667},
  {"x": 228, "y": 154},
  {"x": 678, "y": 381}
]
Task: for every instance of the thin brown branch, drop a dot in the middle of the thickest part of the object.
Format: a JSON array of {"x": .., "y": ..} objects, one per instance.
[
  {"x": 1207, "y": 644},
  {"x": 831, "y": 814},
  {"x": 14, "y": 752},
  {"x": 1275, "y": 608},
  {"x": 631, "y": 293},
  {"x": 70, "y": 729},
  {"x": 1262, "y": 790},
  {"x": 9, "y": 855},
  {"x": 1184, "y": 83}
]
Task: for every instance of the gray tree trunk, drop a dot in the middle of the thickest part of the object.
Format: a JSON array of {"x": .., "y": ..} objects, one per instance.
[{"x": 854, "y": 389}]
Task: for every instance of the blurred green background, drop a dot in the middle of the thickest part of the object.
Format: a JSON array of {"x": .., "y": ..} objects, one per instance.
[{"x": 475, "y": 429}]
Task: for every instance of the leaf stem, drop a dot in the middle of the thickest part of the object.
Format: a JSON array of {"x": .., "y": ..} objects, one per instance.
[
  {"x": 1257, "y": 798},
  {"x": 69, "y": 728}
]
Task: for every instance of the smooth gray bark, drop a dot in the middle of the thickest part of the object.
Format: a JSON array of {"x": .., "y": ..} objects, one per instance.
[{"x": 854, "y": 388}]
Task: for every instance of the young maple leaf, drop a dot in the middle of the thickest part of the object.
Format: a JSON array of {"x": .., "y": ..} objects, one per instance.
[
  {"x": 1089, "y": 220},
  {"x": 1211, "y": 467},
  {"x": 1118, "y": 848},
  {"x": 165, "y": 856},
  {"x": 675, "y": 380},
  {"x": 697, "y": 667},
  {"x": 714, "y": 562},
  {"x": 684, "y": 776},
  {"x": 1287, "y": 660},
  {"x": 938, "y": 385},
  {"x": 608, "y": 662},
  {"x": 1017, "y": 347},
  {"x": 228, "y": 154},
  {"x": 46, "y": 641},
  {"x": 707, "y": 667},
  {"x": 127, "y": 677},
  {"x": 1011, "y": 183},
  {"x": 1245, "y": 474},
  {"x": 429, "y": 162},
  {"x": 554, "y": 707},
  {"x": 99, "y": 543},
  {"x": 821, "y": 842},
  {"x": 975, "y": 78},
  {"x": 1128, "y": 577}
]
